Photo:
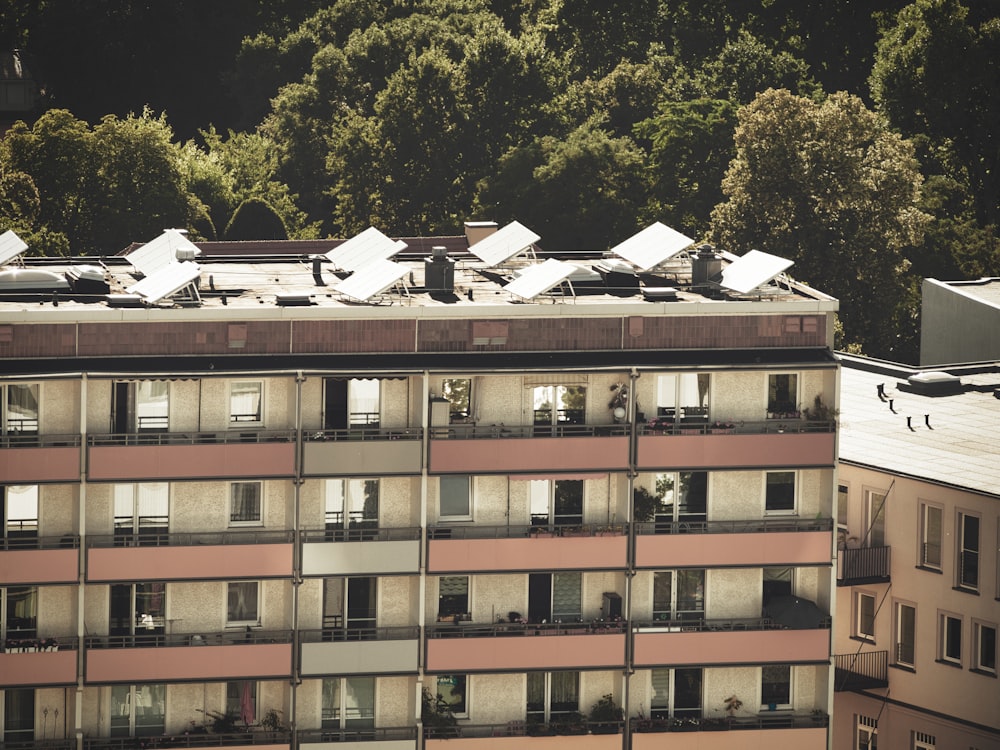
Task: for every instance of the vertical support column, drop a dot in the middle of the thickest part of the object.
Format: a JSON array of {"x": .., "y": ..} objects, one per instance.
[
  {"x": 425, "y": 421},
  {"x": 296, "y": 561},
  {"x": 81, "y": 568}
]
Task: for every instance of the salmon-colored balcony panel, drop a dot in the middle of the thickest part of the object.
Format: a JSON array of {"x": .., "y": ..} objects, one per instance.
[
  {"x": 542, "y": 454},
  {"x": 38, "y": 669},
  {"x": 138, "y": 462},
  {"x": 165, "y": 664},
  {"x": 533, "y": 553},
  {"x": 39, "y": 465},
  {"x": 223, "y": 561},
  {"x": 733, "y": 550},
  {"x": 811, "y": 738},
  {"x": 504, "y": 653},
  {"x": 362, "y": 457},
  {"x": 666, "y": 647},
  {"x": 29, "y": 566},
  {"x": 555, "y": 742},
  {"x": 736, "y": 451}
]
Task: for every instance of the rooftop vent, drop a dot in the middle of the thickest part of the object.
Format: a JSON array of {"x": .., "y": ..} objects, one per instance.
[
  {"x": 439, "y": 271},
  {"x": 293, "y": 300},
  {"x": 659, "y": 294},
  {"x": 706, "y": 266},
  {"x": 934, "y": 383}
]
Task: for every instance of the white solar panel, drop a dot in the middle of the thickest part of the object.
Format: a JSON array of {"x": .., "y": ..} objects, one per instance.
[
  {"x": 373, "y": 279},
  {"x": 362, "y": 249},
  {"x": 653, "y": 245},
  {"x": 535, "y": 280},
  {"x": 161, "y": 252},
  {"x": 504, "y": 244},
  {"x": 752, "y": 270},
  {"x": 11, "y": 246},
  {"x": 165, "y": 282}
]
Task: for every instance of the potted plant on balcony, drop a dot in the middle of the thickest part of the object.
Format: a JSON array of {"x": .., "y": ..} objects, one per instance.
[
  {"x": 437, "y": 717},
  {"x": 820, "y": 412},
  {"x": 605, "y": 716},
  {"x": 732, "y": 704},
  {"x": 572, "y": 722},
  {"x": 644, "y": 504}
]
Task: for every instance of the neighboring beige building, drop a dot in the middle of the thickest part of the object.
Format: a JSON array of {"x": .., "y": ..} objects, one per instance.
[
  {"x": 295, "y": 492},
  {"x": 918, "y": 598},
  {"x": 959, "y": 321}
]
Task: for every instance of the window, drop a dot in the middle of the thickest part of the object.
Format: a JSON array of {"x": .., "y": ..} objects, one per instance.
[
  {"x": 241, "y": 701},
  {"x": 905, "y": 638},
  {"x": 352, "y": 504},
  {"x": 950, "y": 636},
  {"x": 141, "y": 406},
  {"x": 675, "y": 693},
  {"x": 930, "y": 535},
  {"x": 866, "y": 732},
  {"x": 776, "y": 582},
  {"x": 552, "y": 695},
  {"x": 558, "y": 502},
  {"x": 842, "y": 497},
  {"x": 682, "y": 498},
  {"x": 779, "y": 496},
  {"x": 19, "y": 515},
  {"x": 864, "y": 616},
  {"x": 18, "y": 717},
  {"x": 776, "y": 686},
  {"x": 453, "y": 689},
  {"x": 984, "y": 639},
  {"x": 924, "y": 741},
  {"x": 349, "y": 703},
  {"x": 245, "y": 504},
  {"x": 242, "y": 603},
  {"x": 141, "y": 513},
  {"x": 453, "y": 596},
  {"x": 567, "y": 596},
  {"x": 458, "y": 392},
  {"x": 20, "y": 611},
  {"x": 683, "y": 397},
  {"x": 455, "y": 500},
  {"x": 246, "y": 404},
  {"x": 20, "y": 414},
  {"x": 351, "y": 403},
  {"x": 875, "y": 503},
  {"x": 558, "y": 405},
  {"x": 782, "y": 396},
  {"x": 968, "y": 551},
  {"x": 679, "y": 595},
  {"x": 137, "y": 609},
  {"x": 138, "y": 710}
]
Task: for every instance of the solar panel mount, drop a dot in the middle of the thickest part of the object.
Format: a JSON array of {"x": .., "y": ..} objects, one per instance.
[
  {"x": 652, "y": 246},
  {"x": 11, "y": 247},
  {"x": 540, "y": 278},
  {"x": 162, "y": 252},
  {"x": 375, "y": 278},
  {"x": 364, "y": 248},
  {"x": 752, "y": 271},
  {"x": 504, "y": 244}
]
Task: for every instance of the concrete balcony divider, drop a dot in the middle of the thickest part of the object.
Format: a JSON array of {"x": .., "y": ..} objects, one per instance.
[
  {"x": 360, "y": 452},
  {"x": 376, "y": 552},
  {"x": 47, "y": 560},
  {"x": 360, "y": 651},
  {"x": 40, "y": 459},
  {"x": 745, "y": 446}
]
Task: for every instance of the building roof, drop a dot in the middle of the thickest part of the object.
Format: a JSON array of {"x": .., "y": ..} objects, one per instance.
[
  {"x": 948, "y": 439},
  {"x": 986, "y": 290}
]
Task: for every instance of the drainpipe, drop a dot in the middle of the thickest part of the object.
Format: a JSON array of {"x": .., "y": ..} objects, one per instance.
[
  {"x": 425, "y": 409},
  {"x": 630, "y": 562},
  {"x": 81, "y": 567},
  {"x": 296, "y": 560}
]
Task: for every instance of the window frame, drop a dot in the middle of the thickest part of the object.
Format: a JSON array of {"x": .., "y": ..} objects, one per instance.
[
  {"x": 460, "y": 709},
  {"x": 548, "y": 490},
  {"x": 865, "y": 728},
  {"x": 237, "y": 712},
  {"x": 258, "y": 593},
  {"x": 872, "y": 515},
  {"x": 670, "y": 711},
  {"x": 241, "y": 522},
  {"x": 858, "y": 632},
  {"x": 950, "y": 624},
  {"x": 455, "y": 412},
  {"x": 675, "y": 612},
  {"x": 468, "y": 514},
  {"x": 772, "y": 402},
  {"x": 924, "y": 544},
  {"x": 449, "y": 614},
  {"x": 843, "y": 507},
  {"x": 979, "y": 628},
  {"x": 340, "y": 722},
  {"x": 35, "y": 391},
  {"x": 239, "y": 421},
  {"x": 793, "y": 510},
  {"x": 548, "y": 715},
  {"x": 783, "y": 706}
]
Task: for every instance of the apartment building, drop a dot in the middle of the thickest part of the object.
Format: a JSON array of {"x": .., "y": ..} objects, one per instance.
[
  {"x": 918, "y": 598},
  {"x": 275, "y": 500}
]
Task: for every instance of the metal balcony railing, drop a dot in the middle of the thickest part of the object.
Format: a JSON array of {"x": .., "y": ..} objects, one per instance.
[
  {"x": 236, "y": 637},
  {"x": 696, "y": 723},
  {"x": 338, "y": 634},
  {"x": 190, "y": 438},
  {"x": 863, "y": 565},
  {"x": 375, "y": 734},
  {"x": 188, "y": 739},
  {"x": 861, "y": 671},
  {"x": 188, "y": 539},
  {"x": 519, "y": 532},
  {"x": 750, "y": 526}
]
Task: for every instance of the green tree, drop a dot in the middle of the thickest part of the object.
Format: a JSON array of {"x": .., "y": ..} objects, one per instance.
[
  {"x": 830, "y": 187},
  {"x": 254, "y": 219}
]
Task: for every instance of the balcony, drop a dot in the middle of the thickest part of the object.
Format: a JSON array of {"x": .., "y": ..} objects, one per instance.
[
  {"x": 516, "y": 734},
  {"x": 752, "y": 543},
  {"x": 475, "y": 449},
  {"x": 363, "y": 451},
  {"x": 360, "y": 551},
  {"x": 764, "y": 730},
  {"x": 258, "y": 740},
  {"x": 364, "y": 650},
  {"x": 180, "y": 557},
  {"x": 493, "y": 549},
  {"x": 729, "y": 642},
  {"x": 34, "y": 560},
  {"x": 861, "y": 671},
  {"x": 155, "y": 456},
  {"x": 376, "y": 738},
  {"x": 474, "y": 647},
  {"x": 34, "y": 459},
  {"x": 707, "y": 445},
  {"x": 229, "y": 655},
  {"x": 862, "y": 565},
  {"x": 38, "y": 662}
]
